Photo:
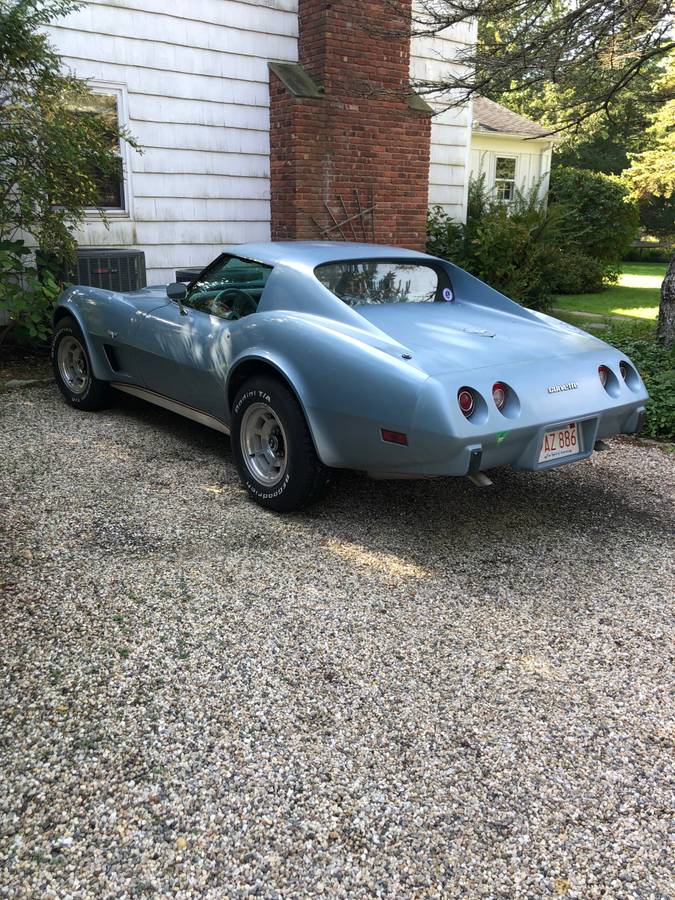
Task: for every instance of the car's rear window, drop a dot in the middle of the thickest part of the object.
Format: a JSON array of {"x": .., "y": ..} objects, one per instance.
[{"x": 379, "y": 281}]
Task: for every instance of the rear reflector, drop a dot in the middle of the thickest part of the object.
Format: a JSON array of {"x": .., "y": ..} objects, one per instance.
[{"x": 394, "y": 437}]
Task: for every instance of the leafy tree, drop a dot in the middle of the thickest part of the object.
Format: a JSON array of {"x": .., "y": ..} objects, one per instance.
[
  {"x": 53, "y": 157},
  {"x": 585, "y": 54},
  {"x": 603, "y": 141},
  {"x": 651, "y": 177},
  {"x": 652, "y": 172}
]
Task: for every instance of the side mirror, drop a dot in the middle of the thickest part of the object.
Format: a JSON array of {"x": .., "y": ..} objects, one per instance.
[{"x": 177, "y": 291}]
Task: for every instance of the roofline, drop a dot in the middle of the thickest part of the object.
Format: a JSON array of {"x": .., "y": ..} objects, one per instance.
[
  {"x": 522, "y": 135},
  {"x": 314, "y": 253}
]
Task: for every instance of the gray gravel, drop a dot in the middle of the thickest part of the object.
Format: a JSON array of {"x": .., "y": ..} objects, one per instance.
[{"x": 415, "y": 690}]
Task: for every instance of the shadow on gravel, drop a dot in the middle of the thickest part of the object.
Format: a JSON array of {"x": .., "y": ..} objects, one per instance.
[
  {"x": 577, "y": 504},
  {"x": 192, "y": 434}
]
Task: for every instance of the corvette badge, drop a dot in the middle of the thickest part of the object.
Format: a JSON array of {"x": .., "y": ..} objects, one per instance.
[{"x": 559, "y": 388}]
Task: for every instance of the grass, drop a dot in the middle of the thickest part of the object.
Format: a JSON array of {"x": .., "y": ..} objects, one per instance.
[{"x": 636, "y": 296}]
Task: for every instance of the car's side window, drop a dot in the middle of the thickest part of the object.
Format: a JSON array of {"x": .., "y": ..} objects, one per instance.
[{"x": 230, "y": 288}]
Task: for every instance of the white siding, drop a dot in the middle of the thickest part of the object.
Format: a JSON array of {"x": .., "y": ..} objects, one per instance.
[
  {"x": 432, "y": 59},
  {"x": 196, "y": 82},
  {"x": 533, "y": 159}
]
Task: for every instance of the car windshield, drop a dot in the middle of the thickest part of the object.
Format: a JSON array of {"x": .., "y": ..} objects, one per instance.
[{"x": 379, "y": 281}]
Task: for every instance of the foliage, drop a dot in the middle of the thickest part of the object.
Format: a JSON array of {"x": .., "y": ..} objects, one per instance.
[
  {"x": 657, "y": 217},
  {"x": 646, "y": 254},
  {"x": 582, "y": 273},
  {"x": 599, "y": 223},
  {"x": 53, "y": 151},
  {"x": 26, "y": 295},
  {"x": 652, "y": 173},
  {"x": 604, "y": 139},
  {"x": 528, "y": 250},
  {"x": 656, "y": 365},
  {"x": 592, "y": 52},
  {"x": 509, "y": 246}
]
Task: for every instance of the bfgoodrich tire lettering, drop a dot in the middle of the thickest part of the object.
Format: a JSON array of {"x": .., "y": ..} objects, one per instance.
[
  {"x": 273, "y": 448},
  {"x": 72, "y": 368}
]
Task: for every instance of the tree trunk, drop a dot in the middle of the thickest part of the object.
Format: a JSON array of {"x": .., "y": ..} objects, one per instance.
[{"x": 665, "y": 330}]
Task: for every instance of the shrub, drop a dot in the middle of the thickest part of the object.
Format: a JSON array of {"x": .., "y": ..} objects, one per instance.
[
  {"x": 580, "y": 273},
  {"x": 656, "y": 365},
  {"x": 647, "y": 254},
  {"x": 597, "y": 220},
  {"x": 528, "y": 250},
  {"x": 508, "y": 246},
  {"x": 27, "y": 296}
]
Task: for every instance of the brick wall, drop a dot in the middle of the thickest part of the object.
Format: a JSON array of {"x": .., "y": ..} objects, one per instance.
[{"x": 361, "y": 136}]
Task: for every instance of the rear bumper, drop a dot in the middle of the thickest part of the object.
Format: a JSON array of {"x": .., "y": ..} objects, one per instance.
[{"x": 430, "y": 454}]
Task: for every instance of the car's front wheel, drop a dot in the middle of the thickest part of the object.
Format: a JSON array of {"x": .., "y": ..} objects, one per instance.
[
  {"x": 273, "y": 448},
  {"x": 72, "y": 368}
]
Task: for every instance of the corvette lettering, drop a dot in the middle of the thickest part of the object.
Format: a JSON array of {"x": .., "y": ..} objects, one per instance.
[{"x": 558, "y": 388}]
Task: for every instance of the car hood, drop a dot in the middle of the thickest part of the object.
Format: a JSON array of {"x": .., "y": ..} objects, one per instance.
[{"x": 446, "y": 337}]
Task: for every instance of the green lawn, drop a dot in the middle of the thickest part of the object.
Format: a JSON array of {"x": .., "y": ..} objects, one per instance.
[{"x": 636, "y": 296}]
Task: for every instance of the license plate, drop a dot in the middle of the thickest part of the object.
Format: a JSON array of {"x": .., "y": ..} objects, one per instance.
[{"x": 563, "y": 441}]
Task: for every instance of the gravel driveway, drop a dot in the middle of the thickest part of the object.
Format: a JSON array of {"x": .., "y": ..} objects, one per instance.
[{"x": 416, "y": 689}]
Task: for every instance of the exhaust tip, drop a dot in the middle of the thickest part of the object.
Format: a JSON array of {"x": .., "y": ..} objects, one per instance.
[{"x": 480, "y": 479}]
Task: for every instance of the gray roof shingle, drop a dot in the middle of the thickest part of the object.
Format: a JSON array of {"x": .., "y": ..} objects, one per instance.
[{"x": 490, "y": 116}]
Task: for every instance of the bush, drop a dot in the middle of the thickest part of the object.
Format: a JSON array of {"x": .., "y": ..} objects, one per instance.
[
  {"x": 580, "y": 273},
  {"x": 597, "y": 222},
  {"x": 27, "y": 296},
  {"x": 508, "y": 246},
  {"x": 528, "y": 250},
  {"x": 656, "y": 365},
  {"x": 647, "y": 254}
]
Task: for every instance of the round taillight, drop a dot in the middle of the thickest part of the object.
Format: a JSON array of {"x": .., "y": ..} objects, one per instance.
[
  {"x": 466, "y": 401},
  {"x": 499, "y": 394},
  {"x": 623, "y": 368},
  {"x": 603, "y": 373}
]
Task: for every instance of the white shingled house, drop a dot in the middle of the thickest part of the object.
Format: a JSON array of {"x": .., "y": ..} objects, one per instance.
[{"x": 191, "y": 81}]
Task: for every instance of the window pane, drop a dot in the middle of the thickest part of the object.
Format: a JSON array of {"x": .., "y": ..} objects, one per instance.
[
  {"x": 104, "y": 108},
  {"x": 358, "y": 283},
  {"x": 504, "y": 190},
  {"x": 506, "y": 167},
  {"x": 230, "y": 288}
]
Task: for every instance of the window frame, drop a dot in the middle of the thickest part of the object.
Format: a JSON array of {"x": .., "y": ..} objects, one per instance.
[
  {"x": 513, "y": 181},
  {"x": 119, "y": 91},
  {"x": 214, "y": 264},
  {"x": 444, "y": 280}
]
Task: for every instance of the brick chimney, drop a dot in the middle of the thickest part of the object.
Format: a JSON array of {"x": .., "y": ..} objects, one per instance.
[{"x": 349, "y": 140}]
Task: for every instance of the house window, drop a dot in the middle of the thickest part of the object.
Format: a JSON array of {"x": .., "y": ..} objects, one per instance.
[
  {"x": 505, "y": 178},
  {"x": 106, "y": 106}
]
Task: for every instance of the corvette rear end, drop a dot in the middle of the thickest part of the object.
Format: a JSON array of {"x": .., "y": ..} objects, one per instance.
[{"x": 502, "y": 385}]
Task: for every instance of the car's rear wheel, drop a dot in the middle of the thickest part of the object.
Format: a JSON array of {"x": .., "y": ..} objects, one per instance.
[
  {"x": 273, "y": 447},
  {"x": 72, "y": 368}
]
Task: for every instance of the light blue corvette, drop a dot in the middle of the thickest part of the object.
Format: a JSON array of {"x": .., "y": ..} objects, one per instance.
[{"x": 320, "y": 356}]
